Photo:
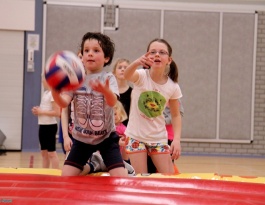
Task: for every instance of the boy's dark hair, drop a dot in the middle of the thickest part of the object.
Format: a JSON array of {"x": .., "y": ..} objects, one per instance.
[{"x": 104, "y": 41}]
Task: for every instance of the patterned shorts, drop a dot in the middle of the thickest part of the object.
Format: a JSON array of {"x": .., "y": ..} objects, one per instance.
[{"x": 133, "y": 146}]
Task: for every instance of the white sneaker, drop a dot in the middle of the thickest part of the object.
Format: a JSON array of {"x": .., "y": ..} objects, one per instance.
[
  {"x": 131, "y": 171},
  {"x": 98, "y": 163}
]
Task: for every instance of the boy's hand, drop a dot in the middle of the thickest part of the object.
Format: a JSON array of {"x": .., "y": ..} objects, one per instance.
[{"x": 98, "y": 86}]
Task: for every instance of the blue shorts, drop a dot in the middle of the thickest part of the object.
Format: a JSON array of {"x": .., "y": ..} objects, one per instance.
[
  {"x": 109, "y": 149},
  {"x": 134, "y": 146}
]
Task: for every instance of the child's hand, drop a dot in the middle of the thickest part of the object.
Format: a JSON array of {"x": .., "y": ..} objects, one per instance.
[
  {"x": 175, "y": 149},
  {"x": 35, "y": 110},
  {"x": 98, "y": 86},
  {"x": 122, "y": 140},
  {"x": 145, "y": 61},
  {"x": 67, "y": 143}
]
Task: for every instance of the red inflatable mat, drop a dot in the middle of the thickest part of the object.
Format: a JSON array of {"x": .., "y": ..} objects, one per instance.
[{"x": 46, "y": 189}]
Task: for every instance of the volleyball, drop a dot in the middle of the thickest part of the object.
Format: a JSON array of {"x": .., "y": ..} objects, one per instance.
[{"x": 64, "y": 71}]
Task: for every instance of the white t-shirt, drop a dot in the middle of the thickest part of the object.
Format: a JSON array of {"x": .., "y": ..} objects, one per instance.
[
  {"x": 46, "y": 104},
  {"x": 146, "y": 121}
]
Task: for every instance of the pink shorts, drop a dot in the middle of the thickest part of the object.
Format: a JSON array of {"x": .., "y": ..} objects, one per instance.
[{"x": 134, "y": 146}]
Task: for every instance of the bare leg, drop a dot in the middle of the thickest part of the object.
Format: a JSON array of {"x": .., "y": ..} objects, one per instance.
[
  {"x": 53, "y": 157},
  {"x": 70, "y": 171},
  {"x": 163, "y": 163},
  {"x": 118, "y": 172},
  {"x": 45, "y": 159},
  {"x": 139, "y": 162},
  {"x": 86, "y": 170}
]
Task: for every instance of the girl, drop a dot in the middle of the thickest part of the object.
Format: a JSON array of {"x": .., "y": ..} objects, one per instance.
[
  {"x": 153, "y": 89},
  {"x": 47, "y": 113},
  {"x": 124, "y": 89},
  {"x": 120, "y": 115}
]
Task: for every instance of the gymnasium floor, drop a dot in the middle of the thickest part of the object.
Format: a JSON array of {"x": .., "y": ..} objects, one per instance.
[{"x": 239, "y": 166}]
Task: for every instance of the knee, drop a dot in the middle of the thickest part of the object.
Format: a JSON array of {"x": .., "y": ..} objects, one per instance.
[{"x": 52, "y": 154}]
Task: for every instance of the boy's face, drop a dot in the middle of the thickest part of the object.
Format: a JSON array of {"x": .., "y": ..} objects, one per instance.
[{"x": 93, "y": 56}]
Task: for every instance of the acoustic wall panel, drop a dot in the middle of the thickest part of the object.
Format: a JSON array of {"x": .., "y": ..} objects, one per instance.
[
  {"x": 136, "y": 29},
  {"x": 11, "y": 87},
  {"x": 194, "y": 39},
  {"x": 236, "y": 76},
  {"x": 66, "y": 26}
]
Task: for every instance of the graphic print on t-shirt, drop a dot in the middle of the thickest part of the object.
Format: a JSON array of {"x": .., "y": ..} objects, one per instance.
[
  {"x": 151, "y": 103},
  {"x": 89, "y": 113}
]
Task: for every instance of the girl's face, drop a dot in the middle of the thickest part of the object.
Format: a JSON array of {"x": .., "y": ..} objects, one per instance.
[
  {"x": 93, "y": 56},
  {"x": 159, "y": 54},
  {"x": 117, "y": 117},
  {"x": 119, "y": 71}
]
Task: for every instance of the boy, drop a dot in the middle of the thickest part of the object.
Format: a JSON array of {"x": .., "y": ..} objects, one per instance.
[{"x": 94, "y": 127}]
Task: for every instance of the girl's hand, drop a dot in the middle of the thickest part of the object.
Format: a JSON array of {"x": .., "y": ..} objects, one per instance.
[
  {"x": 35, "y": 110},
  {"x": 122, "y": 140},
  {"x": 175, "y": 149},
  {"x": 145, "y": 61}
]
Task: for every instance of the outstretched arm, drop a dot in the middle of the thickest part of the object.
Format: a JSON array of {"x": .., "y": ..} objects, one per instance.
[
  {"x": 63, "y": 100},
  {"x": 130, "y": 74}
]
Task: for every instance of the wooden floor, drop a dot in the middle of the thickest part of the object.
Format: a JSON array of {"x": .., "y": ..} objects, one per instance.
[{"x": 186, "y": 164}]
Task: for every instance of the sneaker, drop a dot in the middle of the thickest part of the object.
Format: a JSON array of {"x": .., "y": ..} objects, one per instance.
[
  {"x": 97, "y": 118},
  {"x": 131, "y": 171},
  {"x": 97, "y": 162}
]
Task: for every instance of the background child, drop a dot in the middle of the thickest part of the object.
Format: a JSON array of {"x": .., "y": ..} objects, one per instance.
[
  {"x": 119, "y": 116},
  {"x": 125, "y": 89},
  {"x": 47, "y": 113},
  {"x": 153, "y": 89},
  {"x": 94, "y": 127}
]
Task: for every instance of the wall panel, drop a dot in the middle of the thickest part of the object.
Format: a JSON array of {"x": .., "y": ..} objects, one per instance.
[
  {"x": 236, "y": 76},
  {"x": 11, "y": 87},
  {"x": 194, "y": 38},
  {"x": 66, "y": 26}
]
